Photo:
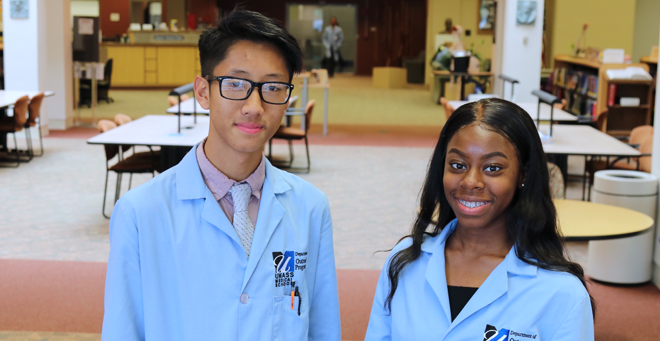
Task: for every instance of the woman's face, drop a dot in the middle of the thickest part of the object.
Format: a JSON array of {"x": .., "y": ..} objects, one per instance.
[{"x": 481, "y": 176}]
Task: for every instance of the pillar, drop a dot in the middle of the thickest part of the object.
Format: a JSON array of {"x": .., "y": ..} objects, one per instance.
[{"x": 37, "y": 57}]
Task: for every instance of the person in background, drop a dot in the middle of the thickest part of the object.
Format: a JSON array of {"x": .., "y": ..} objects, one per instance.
[
  {"x": 333, "y": 36},
  {"x": 224, "y": 246},
  {"x": 485, "y": 259}
]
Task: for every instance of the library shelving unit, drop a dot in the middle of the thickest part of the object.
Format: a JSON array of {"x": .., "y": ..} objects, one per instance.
[{"x": 584, "y": 84}]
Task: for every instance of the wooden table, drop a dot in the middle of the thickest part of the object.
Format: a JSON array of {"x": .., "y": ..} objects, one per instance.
[
  {"x": 583, "y": 220},
  {"x": 532, "y": 109},
  {"x": 439, "y": 85}
]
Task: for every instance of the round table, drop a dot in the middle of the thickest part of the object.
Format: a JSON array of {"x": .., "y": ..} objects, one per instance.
[{"x": 583, "y": 220}]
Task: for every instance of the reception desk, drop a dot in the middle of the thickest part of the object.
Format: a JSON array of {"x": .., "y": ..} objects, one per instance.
[{"x": 152, "y": 65}]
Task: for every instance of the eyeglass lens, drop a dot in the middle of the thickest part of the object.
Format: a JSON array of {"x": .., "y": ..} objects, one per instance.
[{"x": 233, "y": 88}]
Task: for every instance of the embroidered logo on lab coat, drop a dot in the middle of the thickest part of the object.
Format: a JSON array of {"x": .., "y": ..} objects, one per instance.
[
  {"x": 284, "y": 262},
  {"x": 492, "y": 334}
]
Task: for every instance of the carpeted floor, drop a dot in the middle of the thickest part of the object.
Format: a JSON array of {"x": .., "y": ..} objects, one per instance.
[
  {"x": 64, "y": 301},
  {"x": 54, "y": 242}
]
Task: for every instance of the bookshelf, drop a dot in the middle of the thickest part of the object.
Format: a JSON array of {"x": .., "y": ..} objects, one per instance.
[{"x": 584, "y": 85}]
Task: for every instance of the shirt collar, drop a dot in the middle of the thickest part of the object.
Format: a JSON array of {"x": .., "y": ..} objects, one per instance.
[
  {"x": 514, "y": 264},
  {"x": 220, "y": 184}
]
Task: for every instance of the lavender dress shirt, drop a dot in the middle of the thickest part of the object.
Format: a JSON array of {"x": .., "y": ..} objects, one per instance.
[{"x": 220, "y": 184}]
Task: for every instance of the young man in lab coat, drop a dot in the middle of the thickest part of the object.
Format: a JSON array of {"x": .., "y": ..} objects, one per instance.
[{"x": 224, "y": 246}]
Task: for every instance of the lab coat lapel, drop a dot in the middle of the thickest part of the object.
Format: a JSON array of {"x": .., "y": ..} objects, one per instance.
[
  {"x": 214, "y": 214},
  {"x": 437, "y": 279},
  {"x": 190, "y": 186},
  {"x": 496, "y": 285},
  {"x": 435, "y": 271},
  {"x": 269, "y": 216}
]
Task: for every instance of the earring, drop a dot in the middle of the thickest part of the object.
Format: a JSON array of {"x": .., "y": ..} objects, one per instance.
[{"x": 523, "y": 185}]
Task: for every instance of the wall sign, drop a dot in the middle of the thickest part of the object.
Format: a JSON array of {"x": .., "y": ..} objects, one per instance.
[
  {"x": 18, "y": 9},
  {"x": 526, "y": 12}
]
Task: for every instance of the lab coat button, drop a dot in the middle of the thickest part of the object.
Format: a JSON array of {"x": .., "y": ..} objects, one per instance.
[{"x": 244, "y": 298}]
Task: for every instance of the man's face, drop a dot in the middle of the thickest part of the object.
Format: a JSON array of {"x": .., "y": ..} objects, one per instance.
[
  {"x": 333, "y": 21},
  {"x": 244, "y": 126}
]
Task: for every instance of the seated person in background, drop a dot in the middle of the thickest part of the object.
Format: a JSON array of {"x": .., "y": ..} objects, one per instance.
[
  {"x": 224, "y": 246},
  {"x": 492, "y": 266}
]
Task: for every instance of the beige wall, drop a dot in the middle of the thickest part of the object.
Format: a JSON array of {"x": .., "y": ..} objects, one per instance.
[
  {"x": 462, "y": 12},
  {"x": 647, "y": 25},
  {"x": 611, "y": 24}
]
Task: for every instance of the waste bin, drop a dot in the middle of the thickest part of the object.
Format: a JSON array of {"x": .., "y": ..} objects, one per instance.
[{"x": 624, "y": 260}]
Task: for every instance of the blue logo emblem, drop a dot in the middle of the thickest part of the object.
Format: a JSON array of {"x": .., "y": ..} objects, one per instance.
[
  {"x": 492, "y": 334},
  {"x": 283, "y": 261}
]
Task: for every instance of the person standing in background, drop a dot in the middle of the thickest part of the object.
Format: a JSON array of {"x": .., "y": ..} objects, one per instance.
[{"x": 333, "y": 36}]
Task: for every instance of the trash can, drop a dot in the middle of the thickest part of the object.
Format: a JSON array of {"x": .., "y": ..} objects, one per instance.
[{"x": 624, "y": 260}]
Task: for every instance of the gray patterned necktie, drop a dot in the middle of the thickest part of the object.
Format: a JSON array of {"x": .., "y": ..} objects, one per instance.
[{"x": 241, "y": 194}]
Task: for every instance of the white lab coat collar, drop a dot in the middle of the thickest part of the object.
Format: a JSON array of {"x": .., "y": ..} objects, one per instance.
[{"x": 493, "y": 288}]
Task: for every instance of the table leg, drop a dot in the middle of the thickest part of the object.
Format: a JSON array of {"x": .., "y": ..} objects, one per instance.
[
  {"x": 325, "y": 112},
  {"x": 3, "y": 136},
  {"x": 303, "y": 105},
  {"x": 76, "y": 97},
  {"x": 94, "y": 99},
  {"x": 462, "y": 88},
  {"x": 585, "y": 177}
]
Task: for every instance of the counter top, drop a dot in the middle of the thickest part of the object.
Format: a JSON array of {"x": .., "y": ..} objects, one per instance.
[{"x": 106, "y": 44}]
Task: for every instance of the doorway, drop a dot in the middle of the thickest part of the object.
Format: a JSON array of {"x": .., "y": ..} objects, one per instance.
[{"x": 307, "y": 22}]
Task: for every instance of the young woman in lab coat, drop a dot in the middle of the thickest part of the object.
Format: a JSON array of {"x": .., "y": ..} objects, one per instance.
[{"x": 485, "y": 259}]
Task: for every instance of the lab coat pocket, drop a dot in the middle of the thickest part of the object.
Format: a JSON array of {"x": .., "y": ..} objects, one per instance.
[{"x": 288, "y": 323}]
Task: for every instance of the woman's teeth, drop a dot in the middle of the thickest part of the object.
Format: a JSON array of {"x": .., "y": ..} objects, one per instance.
[{"x": 472, "y": 204}]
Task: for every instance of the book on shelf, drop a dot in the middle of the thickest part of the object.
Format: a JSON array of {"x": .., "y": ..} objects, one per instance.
[
  {"x": 611, "y": 94},
  {"x": 578, "y": 81}
]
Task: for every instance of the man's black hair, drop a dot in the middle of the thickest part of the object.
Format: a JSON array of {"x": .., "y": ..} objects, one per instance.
[{"x": 240, "y": 25}]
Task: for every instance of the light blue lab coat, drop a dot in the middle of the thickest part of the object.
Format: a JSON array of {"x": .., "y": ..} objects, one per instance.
[
  {"x": 177, "y": 270},
  {"x": 518, "y": 299}
]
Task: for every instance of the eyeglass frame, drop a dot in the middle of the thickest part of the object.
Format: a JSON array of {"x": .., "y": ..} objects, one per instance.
[{"x": 253, "y": 84}]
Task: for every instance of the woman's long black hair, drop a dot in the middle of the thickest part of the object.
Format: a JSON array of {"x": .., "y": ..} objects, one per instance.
[{"x": 532, "y": 218}]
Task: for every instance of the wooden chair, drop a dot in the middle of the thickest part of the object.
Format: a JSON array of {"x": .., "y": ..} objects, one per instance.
[
  {"x": 34, "y": 120},
  {"x": 173, "y": 100},
  {"x": 291, "y": 133},
  {"x": 640, "y": 138},
  {"x": 449, "y": 109},
  {"x": 122, "y": 166},
  {"x": 121, "y": 119},
  {"x": 17, "y": 123},
  {"x": 561, "y": 105},
  {"x": 557, "y": 189}
]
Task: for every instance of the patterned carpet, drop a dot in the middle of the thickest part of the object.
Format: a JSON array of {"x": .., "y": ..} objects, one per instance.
[{"x": 372, "y": 193}]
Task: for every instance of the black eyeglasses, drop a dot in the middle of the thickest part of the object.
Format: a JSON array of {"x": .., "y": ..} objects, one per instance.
[{"x": 238, "y": 89}]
